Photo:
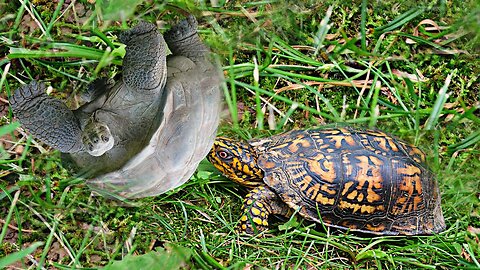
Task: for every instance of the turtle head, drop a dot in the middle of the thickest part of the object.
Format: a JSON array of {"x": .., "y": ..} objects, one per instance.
[{"x": 237, "y": 161}]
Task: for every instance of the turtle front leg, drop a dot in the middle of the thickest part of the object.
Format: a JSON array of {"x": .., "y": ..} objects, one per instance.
[
  {"x": 258, "y": 205},
  {"x": 47, "y": 118}
]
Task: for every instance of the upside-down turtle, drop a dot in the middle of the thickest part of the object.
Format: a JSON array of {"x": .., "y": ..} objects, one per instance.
[{"x": 146, "y": 133}]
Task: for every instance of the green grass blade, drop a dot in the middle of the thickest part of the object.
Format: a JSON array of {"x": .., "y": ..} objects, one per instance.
[
  {"x": 374, "y": 110},
  {"x": 18, "y": 20},
  {"x": 469, "y": 141},
  {"x": 363, "y": 27},
  {"x": 3, "y": 77},
  {"x": 103, "y": 37},
  {"x": 287, "y": 115},
  {"x": 8, "y": 128},
  {"x": 54, "y": 16},
  {"x": 468, "y": 248},
  {"x": 422, "y": 41},
  {"x": 17, "y": 256},
  {"x": 438, "y": 106},
  {"x": 61, "y": 50},
  {"x": 9, "y": 215},
  {"x": 323, "y": 29},
  {"x": 400, "y": 20},
  {"x": 258, "y": 104},
  {"x": 231, "y": 97}
]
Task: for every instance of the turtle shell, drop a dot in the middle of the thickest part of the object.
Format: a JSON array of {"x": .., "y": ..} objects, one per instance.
[{"x": 362, "y": 180}]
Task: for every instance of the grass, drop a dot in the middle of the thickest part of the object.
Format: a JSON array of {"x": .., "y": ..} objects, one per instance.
[{"x": 409, "y": 70}]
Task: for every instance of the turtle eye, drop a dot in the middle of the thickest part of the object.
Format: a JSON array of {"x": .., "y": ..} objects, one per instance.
[{"x": 224, "y": 155}]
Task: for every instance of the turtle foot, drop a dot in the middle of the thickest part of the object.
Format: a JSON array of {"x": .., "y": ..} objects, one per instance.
[
  {"x": 183, "y": 30},
  {"x": 97, "y": 138},
  {"x": 142, "y": 28},
  {"x": 47, "y": 118}
]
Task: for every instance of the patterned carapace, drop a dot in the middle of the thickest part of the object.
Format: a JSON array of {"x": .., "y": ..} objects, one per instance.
[{"x": 362, "y": 180}]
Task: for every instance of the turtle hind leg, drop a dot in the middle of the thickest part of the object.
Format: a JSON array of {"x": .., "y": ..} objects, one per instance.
[
  {"x": 182, "y": 39},
  {"x": 145, "y": 62},
  {"x": 259, "y": 204},
  {"x": 46, "y": 118}
]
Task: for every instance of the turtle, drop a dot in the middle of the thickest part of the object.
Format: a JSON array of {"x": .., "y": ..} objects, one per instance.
[
  {"x": 350, "y": 179},
  {"x": 188, "y": 129},
  {"x": 137, "y": 124}
]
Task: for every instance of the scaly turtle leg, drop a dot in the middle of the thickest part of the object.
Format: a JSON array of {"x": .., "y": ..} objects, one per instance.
[
  {"x": 47, "y": 118},
  {"x": 145, "y": 61},
  {"x": 182, "y": 39},
  {"x": 259, "y": 203}
]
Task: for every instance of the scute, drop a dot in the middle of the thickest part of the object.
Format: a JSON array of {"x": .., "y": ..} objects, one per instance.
[{"x": 356, "y": 179}]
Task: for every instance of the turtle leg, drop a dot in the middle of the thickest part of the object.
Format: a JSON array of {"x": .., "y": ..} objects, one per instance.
[
  {"x": 144, "y": 64},
  {"x": 182, "y": 39},
  {"x": 46, "y": 118},
  {"x": 257, "y": 206}
]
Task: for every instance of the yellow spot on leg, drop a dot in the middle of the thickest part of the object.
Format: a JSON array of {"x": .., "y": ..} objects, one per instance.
[
  {"x": 257, "y": 220},
  {"x": 255, "y": 211}
]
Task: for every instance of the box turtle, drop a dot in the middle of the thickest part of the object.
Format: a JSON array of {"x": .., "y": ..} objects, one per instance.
[
  {"x": 145, "y": 133},
  {"x": 359, "y": 180}
]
